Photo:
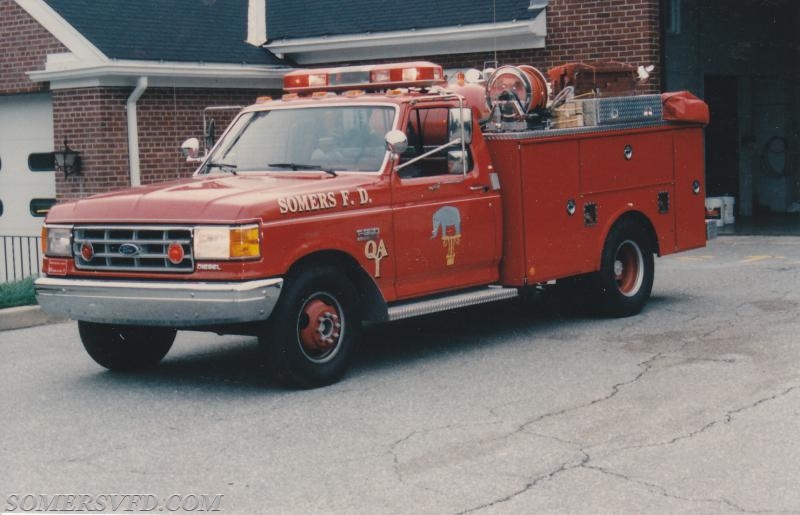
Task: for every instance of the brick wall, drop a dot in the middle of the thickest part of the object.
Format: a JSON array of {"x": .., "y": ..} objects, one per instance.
[
  {"x": 585, "y": 30},
  {"x": 167, "y": 117},
  {"x": 94, "y": 121},
  {"x": 25, "y": 45}
]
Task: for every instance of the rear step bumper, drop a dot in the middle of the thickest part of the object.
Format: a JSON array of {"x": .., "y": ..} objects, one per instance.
[{"x": 462, "y": 299}]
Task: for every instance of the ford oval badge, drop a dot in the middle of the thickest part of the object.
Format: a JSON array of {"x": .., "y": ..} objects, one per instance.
[{"x": 129, "y": 249}]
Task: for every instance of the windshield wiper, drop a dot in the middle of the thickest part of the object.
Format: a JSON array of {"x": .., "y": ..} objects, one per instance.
[
  {"x": 225, "y": 167},
  {"x": 299, "y": 166}
]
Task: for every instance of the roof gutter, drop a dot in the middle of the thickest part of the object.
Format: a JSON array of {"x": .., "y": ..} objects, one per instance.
[
  {"x": 63, "y": 73},
  {"x": 527, "y": 33},
  {"x": 133, "y": 131}
]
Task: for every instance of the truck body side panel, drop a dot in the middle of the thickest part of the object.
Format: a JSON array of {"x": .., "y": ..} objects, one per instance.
[
  {"x": 689, "y": 206},
  {"x": 555, "y": 241},
  {"x": 604, "y": 166},
  {"x": 506, "y": 158},
  {"x": 606, "y": 175}
]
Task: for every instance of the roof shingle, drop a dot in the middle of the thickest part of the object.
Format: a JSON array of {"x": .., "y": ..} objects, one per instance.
[
  {"x": 211, "y": 31},
  {"x": 287, "y": 20}
]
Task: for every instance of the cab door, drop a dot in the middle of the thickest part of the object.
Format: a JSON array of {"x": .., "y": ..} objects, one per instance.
[{"x": 446, "y": 219}]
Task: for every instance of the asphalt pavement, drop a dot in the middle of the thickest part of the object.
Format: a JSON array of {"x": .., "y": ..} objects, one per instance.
[{"x": 691, "y": 407}]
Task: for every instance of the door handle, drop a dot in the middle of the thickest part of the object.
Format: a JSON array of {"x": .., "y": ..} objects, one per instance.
[
  {"x": 435, "y": 186},
  {"x": 481, "y": 187}
]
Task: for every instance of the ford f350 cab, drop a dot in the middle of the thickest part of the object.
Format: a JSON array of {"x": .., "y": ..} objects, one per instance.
[{"x": 372, "y": 194}]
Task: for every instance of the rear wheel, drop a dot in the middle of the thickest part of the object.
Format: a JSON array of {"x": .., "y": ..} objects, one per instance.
[
  {"x": 313, "y": 331},
  {"x": 625, "y": 279},
  {"x": 122, "y": 347}
]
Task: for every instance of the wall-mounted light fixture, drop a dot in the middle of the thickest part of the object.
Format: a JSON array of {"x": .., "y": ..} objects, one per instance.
[{"x": 68, "y": 160}]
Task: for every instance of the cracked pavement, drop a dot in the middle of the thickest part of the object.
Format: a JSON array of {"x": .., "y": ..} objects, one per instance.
[{"x": 691, "y": 407}]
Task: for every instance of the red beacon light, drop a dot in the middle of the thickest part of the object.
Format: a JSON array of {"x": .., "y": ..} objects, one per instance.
[{"x": 417, "y": 74}]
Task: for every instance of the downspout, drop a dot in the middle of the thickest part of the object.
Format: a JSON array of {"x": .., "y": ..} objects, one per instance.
[{"x": 133, "y": 131}]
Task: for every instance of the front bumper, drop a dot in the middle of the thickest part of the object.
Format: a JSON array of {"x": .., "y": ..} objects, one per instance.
[{"x": 171, "y": 304}]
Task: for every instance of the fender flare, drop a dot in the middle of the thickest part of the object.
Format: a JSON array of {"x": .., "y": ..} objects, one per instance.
[{"x": 371, "y": 301}]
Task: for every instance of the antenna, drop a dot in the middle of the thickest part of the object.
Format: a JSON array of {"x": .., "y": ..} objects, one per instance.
[{"x": 494, "y": 29}]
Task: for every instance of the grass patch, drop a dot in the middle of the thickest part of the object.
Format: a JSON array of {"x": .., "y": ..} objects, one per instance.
[{"x": 18, "y": 293}]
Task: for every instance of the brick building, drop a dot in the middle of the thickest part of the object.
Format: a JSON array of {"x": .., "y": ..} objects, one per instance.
[{"x": 74, "y": 70}]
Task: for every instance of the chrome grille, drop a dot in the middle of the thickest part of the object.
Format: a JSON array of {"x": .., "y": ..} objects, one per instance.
[{"x": 132, "y": 248}]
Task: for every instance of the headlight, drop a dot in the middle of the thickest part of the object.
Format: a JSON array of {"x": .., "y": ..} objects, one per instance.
[
  {"x": 57, "y": 240},
  {"x": 224, "y": 242}
]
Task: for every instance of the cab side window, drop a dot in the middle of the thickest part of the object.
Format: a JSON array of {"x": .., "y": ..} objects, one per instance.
[{"x": 426, "y": 130}]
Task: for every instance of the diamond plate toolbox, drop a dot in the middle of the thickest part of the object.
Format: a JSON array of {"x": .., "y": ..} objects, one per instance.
[{"x": 614, "y": 110}]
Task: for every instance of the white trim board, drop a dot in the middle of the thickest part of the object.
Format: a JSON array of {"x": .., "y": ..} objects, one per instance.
[{"x": 406, "y": 43}]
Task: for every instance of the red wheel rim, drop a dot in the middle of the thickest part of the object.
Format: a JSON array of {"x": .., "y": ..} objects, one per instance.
[
  {"x": 320, "y": 327},
  {"x": 628, "y": 268}
]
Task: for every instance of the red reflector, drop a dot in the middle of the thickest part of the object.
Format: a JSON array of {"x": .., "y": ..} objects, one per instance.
[
  {"x": 175, "y": 253},
  {"x": 56, "y": 266}
]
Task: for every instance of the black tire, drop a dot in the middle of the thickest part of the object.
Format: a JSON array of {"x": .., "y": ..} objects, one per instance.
[
  {"x": 122, "y": 347},
  {"x": 314, "y": 329},
  {"x": 625, "y": 279}
]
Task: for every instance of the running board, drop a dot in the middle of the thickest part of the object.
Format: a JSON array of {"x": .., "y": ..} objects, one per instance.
[{"x": 459, "y": 300}]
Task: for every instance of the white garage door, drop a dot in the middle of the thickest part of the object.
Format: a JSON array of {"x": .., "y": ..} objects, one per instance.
[{"x": 27, "y": 178}]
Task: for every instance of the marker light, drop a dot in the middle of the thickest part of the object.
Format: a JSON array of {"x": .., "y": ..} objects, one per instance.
[
  {"x": 381, "y": 76},
  {"x": 410, "y": 74},
  {"x": 245, "y": 242},
  {"x": 175, "y": 253},
  {"x": 317, "y": 80},
  {"x": 87, "y": 251}
]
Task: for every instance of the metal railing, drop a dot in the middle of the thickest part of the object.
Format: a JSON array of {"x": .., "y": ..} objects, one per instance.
[{"x": 20, "y": 257}]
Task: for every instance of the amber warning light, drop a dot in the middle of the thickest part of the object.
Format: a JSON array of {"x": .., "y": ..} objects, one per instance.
[{"x": 418, "y": 74}]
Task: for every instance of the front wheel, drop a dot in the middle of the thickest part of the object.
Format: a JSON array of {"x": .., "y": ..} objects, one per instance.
[
  {"x": 625, "y": 279},
  {"x": 124, "y": 347},
  {"x": 313, "y": 331}
]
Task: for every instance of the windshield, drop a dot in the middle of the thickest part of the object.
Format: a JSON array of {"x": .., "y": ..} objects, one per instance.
[{"x": 346, "y": 138}]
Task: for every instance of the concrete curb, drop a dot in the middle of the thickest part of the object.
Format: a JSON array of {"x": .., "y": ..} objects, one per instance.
[{"x": 25, "y": 316}]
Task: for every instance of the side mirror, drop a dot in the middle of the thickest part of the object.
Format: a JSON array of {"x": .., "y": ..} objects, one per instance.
[
  {"x": 396, "y": 141},
  {"x": 190, "y": 149},
  {"x": 460, "y": 118}
]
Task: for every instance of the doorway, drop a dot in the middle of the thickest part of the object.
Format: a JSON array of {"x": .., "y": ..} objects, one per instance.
[{"x": 722, "y": 136}]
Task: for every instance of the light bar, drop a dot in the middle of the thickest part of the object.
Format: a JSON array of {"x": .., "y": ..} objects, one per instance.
[{"x": 416, "y": 74}]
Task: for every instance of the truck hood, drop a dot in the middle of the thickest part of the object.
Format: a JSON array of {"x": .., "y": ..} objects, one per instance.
[{"x": 209, "y": 199}]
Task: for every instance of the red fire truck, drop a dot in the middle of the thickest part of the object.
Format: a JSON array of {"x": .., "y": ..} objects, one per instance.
[{"x": 376, "y": 193}]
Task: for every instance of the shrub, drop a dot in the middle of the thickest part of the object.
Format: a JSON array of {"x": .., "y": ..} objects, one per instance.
[{"x": 18, "y": 293}]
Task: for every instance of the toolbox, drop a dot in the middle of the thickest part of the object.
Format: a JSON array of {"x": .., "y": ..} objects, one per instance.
[{"x": 616, "y": 110}]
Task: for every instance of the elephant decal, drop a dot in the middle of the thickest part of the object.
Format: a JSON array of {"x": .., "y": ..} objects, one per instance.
[
  {"x": 447, "y": 216},
  {"x": 444, "y": 218}
]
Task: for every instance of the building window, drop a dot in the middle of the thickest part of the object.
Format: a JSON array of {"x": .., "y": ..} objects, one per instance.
[
  {"x": 41, "y": 162},
  {"x": 40, "y": 206},
  {"x": 672, "y": 16},
  {"x": 1, "y": 208}
]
